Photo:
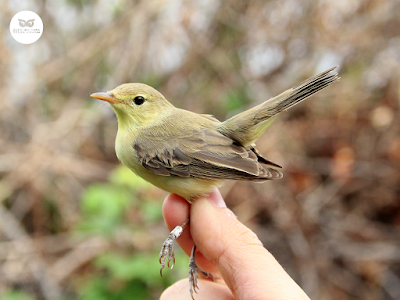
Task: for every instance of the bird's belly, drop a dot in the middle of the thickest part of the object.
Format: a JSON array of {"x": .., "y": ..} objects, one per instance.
[{"x": 186, "y": 187}]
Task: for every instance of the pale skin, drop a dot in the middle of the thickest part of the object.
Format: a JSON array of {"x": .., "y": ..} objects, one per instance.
[{"x": 242, "y": 267}]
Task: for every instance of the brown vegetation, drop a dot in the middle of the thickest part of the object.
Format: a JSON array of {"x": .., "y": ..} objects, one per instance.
[{"x": 333, "y": 221}]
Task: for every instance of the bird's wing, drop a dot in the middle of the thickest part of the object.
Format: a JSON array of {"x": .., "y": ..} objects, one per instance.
[{"x": 204, "y": 153}]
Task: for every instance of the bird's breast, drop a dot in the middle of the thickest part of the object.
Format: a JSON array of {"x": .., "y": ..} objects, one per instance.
[{"x": 125, "y": 151}]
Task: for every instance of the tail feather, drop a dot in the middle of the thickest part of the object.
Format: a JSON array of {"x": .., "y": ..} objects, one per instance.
[
  {"x": 246, "y": 127},
  {"x": 300, "y": 92}
]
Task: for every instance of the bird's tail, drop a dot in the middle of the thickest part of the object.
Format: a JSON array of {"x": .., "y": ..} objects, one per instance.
[
  {"x": 247, "y": 126},
  {"x": 300, "y": 92}
]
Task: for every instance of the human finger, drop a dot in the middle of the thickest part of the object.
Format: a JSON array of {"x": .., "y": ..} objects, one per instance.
[{"x": 249, "y": 270}]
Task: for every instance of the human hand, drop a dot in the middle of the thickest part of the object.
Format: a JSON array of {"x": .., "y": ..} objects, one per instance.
[{"x": 242, "y": 267}]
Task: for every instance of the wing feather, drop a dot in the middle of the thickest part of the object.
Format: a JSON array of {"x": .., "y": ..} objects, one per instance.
[{"x": 204, "y": 154}]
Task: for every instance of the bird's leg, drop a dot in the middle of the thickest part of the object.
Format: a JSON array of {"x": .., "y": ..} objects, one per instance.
[
  {"x": 167, "y": 248},
  {"x": 193, "y": 268}
]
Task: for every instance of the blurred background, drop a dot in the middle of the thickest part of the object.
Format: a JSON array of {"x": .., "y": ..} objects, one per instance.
[{"x": 75, "y": 224}]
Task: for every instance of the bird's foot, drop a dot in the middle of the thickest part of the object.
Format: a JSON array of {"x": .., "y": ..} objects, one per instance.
[
  {"x": 193, "y": 269},
  {"x": 167, "y": 248}
]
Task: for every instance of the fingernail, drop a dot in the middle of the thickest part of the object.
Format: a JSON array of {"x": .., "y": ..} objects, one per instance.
[{"x": 215, "y": 199}]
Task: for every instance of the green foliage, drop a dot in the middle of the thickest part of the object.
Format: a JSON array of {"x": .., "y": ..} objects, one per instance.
[
  {"x": 104, "y": 204},
  {"x": 16, "y": 295},
  {"x": 236, "y": 100},
  {"x": 135, "y": 267},
  {"x": 121, "y": 273},
  {"x": 104, "y": 288},
  {"x": 134, "y": 276},
  {"x": 152, "y": 211}
]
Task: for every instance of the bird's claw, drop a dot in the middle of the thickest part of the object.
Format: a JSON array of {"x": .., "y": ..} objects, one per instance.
[
  {"x": 193, "y": 287},
  {"x": 193, "y": 269},
  {"x": 167, "y": 249}
]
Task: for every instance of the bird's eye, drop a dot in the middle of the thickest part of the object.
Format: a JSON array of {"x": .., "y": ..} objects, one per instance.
[{"x": 139, "y": 100}]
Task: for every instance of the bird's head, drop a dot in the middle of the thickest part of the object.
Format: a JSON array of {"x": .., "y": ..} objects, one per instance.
[{"x": 135, "y": 104}]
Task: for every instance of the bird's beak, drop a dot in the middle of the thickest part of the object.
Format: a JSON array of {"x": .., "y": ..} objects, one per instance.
[{"x": 106, "y": 97}]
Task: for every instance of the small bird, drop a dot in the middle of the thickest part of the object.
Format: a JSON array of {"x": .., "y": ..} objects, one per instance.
[{"x": 190, "y": 154}]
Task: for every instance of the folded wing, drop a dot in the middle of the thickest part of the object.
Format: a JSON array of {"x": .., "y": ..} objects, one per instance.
[{"x": 203, "y": 154}]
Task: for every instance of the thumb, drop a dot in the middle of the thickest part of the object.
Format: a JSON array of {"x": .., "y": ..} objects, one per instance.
[{"x": 249, "y": 270}]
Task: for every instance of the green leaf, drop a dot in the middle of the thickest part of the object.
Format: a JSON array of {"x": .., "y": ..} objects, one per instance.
[
  {"x": 152, "y": 211},
  {"x": 99, "y": 225},
  {"x": 142, "y": 267},
  {"x": 105, "y": 200}
]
